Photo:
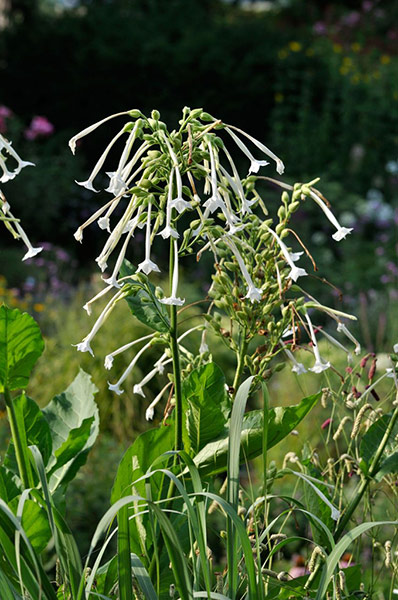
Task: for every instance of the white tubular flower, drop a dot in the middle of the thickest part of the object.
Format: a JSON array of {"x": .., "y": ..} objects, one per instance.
[
  {"x": 150, "y": 411},
  {"x": 254, "y": 294},
  {"x": 295, "y": 272},
  {"x": 78, "y": 235},
  {"x": 113, "y": 280},
  {"x": 254, "y": 164},
  {"x": 116, "y": 234},
  {"x": 7, "y": 175},
  {"x": 109, "y": 357},
  {"x": 117, "y": 183},
  {"x": 280, "y": 167},
  {"x": 236, "y": 185},
  {"x": 173, "y": 299},
  {"x": 341, "y": 231},
  {"x": 319, "y": 365},
  {"x": 341, "y": 328},
  {"x": 297, "y": 367},
  {"x": 115, "y": 387},
  {"x": 78, "y": 136},
  {"x": 31, "y": 250},
  {"x": 168, "y": 231},
  {"x": 178, "y": 203},
  {"x": 295, "y": 256},
  {"x": 129, "y": 166},
  {"x": 20, "y": 163},
  {"x": 215, "y": 201},
  {"x": 84, "y": 345},
  {"x": 155, "y": 371},
  {"x": 148, "y": 265},
  {"x": 88, "y": 184}
]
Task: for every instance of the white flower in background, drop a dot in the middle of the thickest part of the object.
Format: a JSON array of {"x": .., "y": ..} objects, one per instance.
[
  {"x": 280, "y": 167},
  {"x": 341, "y": 232},
  {"x": 168, "y": 230},
  {"x": 173, "y": 299},
  {"x": 88, "y": 184},
  {"x": 297, "y": 367},
  {"x": 7, "y": 175},
  {"x": 319, "y": 365},
  {"x": 148, "y": 265},
  {"x": 341, "y": 328},
  {"x": 87, "y": 130},
  {"x": 295, "y": 272}
]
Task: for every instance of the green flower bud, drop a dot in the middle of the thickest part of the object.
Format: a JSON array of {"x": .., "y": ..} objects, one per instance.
[
  {"x": 281, "y": 213},
  {"x": 135, "y": 113},
  {"x": 196, "y": 112},
  {"x": 294, "y": 206},
  {"x": 206, "y": 117},
  {"x": 159, "y": 293},
  {"x": 279, "y": 367},
  {"x": 279, "y": 228},
  {"x": 154, "y": 154},
  {"x": 285, "y": 197},
  {"x": 155, "y": 114}
]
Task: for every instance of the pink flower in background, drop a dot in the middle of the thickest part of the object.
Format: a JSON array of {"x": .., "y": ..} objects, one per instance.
[
  {"x": 326, "y": 423},
  {"x": 39, "y": 127},
  {"x": 3, "y": 125},
  {"x": 5, "y": 112}
]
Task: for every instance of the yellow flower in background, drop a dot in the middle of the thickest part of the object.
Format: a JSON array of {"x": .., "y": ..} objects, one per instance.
[
  {"x": 385, "y": 59},
  {"x": 337, "y": 48},
  {"x": 355, "y": 47},
  {"x": 347, "y": 61},
  {"x": 355, "y": 78},
  {"x": 38, "y": 307},
  {"x": 295, "y": 46}
]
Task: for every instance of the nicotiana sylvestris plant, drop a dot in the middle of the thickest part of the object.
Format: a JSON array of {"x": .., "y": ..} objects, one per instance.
[
  {"x": 7, "y": 155},
  {"x": 183, "y": 187}
]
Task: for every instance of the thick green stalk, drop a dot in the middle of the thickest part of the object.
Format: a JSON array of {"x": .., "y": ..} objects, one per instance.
[
  {"x": 123, "y": 552},
  {"x": 23, "y": 467},
  {"x": 357, "y": 497}
]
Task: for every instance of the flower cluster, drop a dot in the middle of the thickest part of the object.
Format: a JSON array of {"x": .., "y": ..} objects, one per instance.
[{"x": 184, "y": 187}]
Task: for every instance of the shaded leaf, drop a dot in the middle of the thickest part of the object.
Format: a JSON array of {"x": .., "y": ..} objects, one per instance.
[
  {"x": 281, "y": 421},
  {"x": 36, "y": 525},
  {"x": 388, "y": 465},
  {"x": 8, "y": 488},
  {"x": 21, "y": 344},
  {"x": 146, "y": 307},
  {"x": 206, "y": 404}
]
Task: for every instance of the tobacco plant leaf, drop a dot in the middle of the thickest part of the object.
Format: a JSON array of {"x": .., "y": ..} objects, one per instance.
[
  {"x": 74, "y": 424},
  {"x": 21, "y": 344},
  {"x": 205, "y": 404},
  {"x": 36, "y": 525},
  {"x": 146, "y": 307},
  {"x": 371, "y": 441},
  {"x": 282, "y": 420}
]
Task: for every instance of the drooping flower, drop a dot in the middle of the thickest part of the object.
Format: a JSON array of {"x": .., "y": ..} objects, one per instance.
[
  {"x": 254, "y": 163},
  {"x": 158, "y": 369},
  {"x": 341, "y": 232},
  {"x": 295, "y": 272},
  {"x": 254, "y": 294},
  {"x": 85, "y": 344},
  {"x": 173, "y": 299},
  {"x": 297, "y": 367},
  {"x": 150, "y": 411},
  {"x": 109, "y": 357},
  {"x": 341, "y": 328},
  {"x": 147, "y": 266},
  {"x": 280, "y": 167},
  {"x": 6, "y": 145},
  {"x": 168, "y": 230},
  {"x": 87, "y": 130},
  {"x": 115, "y": 387},
  {"x": 319, "y": 365}
]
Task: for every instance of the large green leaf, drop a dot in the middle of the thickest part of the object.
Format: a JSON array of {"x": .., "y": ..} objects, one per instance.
[
  {"x": 32, "y": 422},
  {"x": 206, "y": 404},
  {"x": 74, "y": 425},
  {"x": 21, "y": 345},
  {"x": 145, "y": 306},
  {"x": 36, "y": 525},
  {"x": 281, "y": 421},
  {"x": 387, "y": 466},
  {"x": 8, "y": 488}
]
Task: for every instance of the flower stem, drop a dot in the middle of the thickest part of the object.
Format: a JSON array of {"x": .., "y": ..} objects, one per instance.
[
  {"x": 367, "y": 479},
  {"x": 23, "y": 467},
  {"x": 176, "y": 360}
]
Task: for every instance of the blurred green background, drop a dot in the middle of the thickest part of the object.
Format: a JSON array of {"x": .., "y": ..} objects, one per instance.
[{"x": 316, "y": 81}]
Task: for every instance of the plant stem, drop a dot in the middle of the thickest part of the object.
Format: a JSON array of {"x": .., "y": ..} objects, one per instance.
[
  {"x": 176, "y": 360},
  {"x": 357, "y": 497},
  {"x": 23, "y": 468},
  {"x": 240, "y": 361}
]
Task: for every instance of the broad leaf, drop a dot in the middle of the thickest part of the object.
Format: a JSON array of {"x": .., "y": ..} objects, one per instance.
[
  {"x": 8, "y": 487},
  {"x": 206, "y": 404},
  {"x": 146, "y": 307},
  {"x": 71, "y": 415},
  {"x": 21, "y": 345},
  {"x": 36, "y": 525},
  {"x": 388, "y": 465},
  {"x": 36, "y": 431},
  {"x": 281, "y": 421}
]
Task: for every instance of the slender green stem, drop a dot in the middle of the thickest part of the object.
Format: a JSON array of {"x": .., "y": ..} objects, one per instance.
[
  {"x": 240, "y": 361},
  {"x": 175, "y": 354},
  {"x": 357, "y": 497},
  {"x": 23, "y": 467}
]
